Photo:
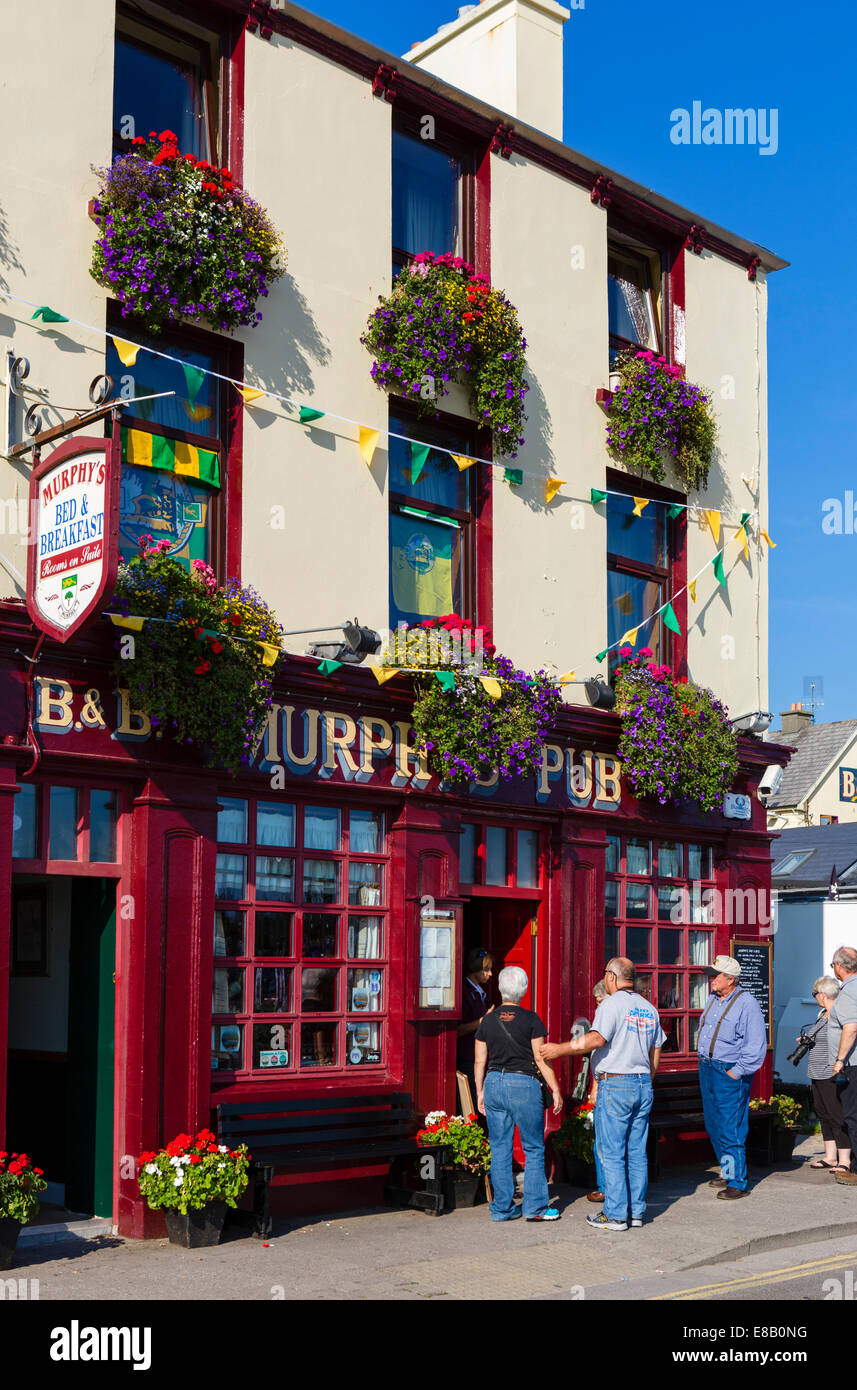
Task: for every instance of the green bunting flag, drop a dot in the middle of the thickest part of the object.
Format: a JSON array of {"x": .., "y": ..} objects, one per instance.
[
  {"x": 717, "y": 562},
  {"x": 419, "y": 459},
  {"x": 327, "y": 668},
  {"x": 445, "y": 679},
  {"x": 675, "y": 512},
  {"x": 307, "y": 415},
  {"x": 670, "y": 620},
  {"x": 48, "y": 315},
  {"x": 514, "y": 476},
  {"x": 596, "y": 496},
  {"x": 194, "y": 377},
  {"x": 745, "y": 517},
  {"x": 601, "y": 655}
]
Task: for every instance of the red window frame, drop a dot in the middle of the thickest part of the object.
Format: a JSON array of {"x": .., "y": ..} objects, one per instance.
[
  {"x": 652, "y": 971},
  {"x": 43, "y": 862},
  {"x": 511, "y": 888},
  {"x": 294, "y": 1018},
  {"x": 672, "y": 576},
  {"x": 652, "y": 241}
]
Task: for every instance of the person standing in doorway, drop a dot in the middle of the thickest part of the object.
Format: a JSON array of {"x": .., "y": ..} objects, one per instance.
[
  {"x": 732, "y": 1045},
  {"x": 842, "y": 1042},
  {"x": 479, "y": 967},
  {"x": 626, "y": 1040}
]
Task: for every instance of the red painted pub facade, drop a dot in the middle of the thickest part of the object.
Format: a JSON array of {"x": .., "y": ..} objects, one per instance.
[{"x": 171, "y": 937}]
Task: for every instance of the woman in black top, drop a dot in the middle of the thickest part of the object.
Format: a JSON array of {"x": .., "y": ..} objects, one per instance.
[{"x": 509, "y": 1072}]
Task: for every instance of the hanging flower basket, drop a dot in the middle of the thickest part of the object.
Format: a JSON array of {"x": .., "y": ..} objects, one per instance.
[
  {"x": 442, "y": 323},
  {"x": 677, "y": 743},
  {"x": 202, "y": 666},
  {"x": 178, "y": 240},
  {"x": 656, "y": 417},
  {"x": 470, "y": 729}
]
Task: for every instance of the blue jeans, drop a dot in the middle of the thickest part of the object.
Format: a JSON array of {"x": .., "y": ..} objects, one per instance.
[
  {"x": 511, "y": 1098},
  {"x": 726, "y": 1106},
  {"x": 599, "y": 1171},
  {"x": 622, "y": 1129}
]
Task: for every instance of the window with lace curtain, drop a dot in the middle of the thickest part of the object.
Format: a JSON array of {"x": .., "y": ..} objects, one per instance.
[
  {"x": 632, "y": 298},
  {"x": 300, "y": 939}
]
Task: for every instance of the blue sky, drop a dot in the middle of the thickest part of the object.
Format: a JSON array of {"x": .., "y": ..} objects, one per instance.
[{"x": 628, "y": 64}]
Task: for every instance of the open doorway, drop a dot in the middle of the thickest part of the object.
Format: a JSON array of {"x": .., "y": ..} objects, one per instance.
[
  {"x": 505, "y": 928},
  {"x": 61, "y": 1035}
]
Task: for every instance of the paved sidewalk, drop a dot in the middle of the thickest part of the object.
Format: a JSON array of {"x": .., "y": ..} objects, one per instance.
[{"x": 383, "y": 1254}]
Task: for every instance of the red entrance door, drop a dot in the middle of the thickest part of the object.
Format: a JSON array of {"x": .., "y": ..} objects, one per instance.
[{"x": 507, "y": 930}]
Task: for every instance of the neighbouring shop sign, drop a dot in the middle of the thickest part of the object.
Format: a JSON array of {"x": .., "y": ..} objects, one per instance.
[{"x": 73, "y": 553}]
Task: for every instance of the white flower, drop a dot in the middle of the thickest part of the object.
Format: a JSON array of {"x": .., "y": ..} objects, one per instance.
[
  {"x": 434, "y": 1116},
  {"x": 151, "y": 1168},
  {"x": 179, "y": 1177},
  {"x": 175, "y": 1161},
  {"x": 224, "y": 1149}
]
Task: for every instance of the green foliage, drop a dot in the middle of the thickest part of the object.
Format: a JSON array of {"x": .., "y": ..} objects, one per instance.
[
  {"x": 464, "y": 1138},
  {"x": 575, "y": 1137},
  {"x": 192, "y": 1173},
  {"x": 20, "y": 1185},
  {"x": 785, "y": 1109},
  {"x": 657, "y": 417},
  {"x": 197, "y": 670}
]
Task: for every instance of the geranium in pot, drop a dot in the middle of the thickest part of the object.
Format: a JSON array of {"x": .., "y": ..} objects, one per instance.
[
  {"x": 20, "y": 1185},
  {"x": 468, "y": 1154},
  {"x": 574, "y": 1145},
  {"x": 193, "y": 1181}
]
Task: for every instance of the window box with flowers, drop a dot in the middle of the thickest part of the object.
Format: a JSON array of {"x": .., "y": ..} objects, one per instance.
[
  {"x": 444, "y": 323},
  {"x": 179, "y": 240},
  {"x": 193, "y": 1181},
  {"x": 20, "y": 1185},
  {"x": 481, "y": 715},
  {"x": 467, "y": 1153},
  {"x": 656, "y": 418},
  {"x": 201, "y": 663},
  {"x": 677, "y": 742}
]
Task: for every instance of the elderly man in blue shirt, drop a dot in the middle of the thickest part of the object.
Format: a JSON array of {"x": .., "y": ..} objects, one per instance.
[{"x": 732, "y": 1045}]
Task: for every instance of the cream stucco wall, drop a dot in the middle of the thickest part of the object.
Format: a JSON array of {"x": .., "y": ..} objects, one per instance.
[
  {"x": 56, "y": 104},
  {"x": 824, "y": 801}
]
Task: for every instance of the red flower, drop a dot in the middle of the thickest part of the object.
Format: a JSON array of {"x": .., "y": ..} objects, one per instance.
[
  {"x": 198, "y": 632},
  {"x": 177, "y": 1146},
  {"x": 168, "y": 137},
  {"x": 138, "y": 140},
  {"x": 216, "y": 647},
  {"x": 205, "y": 1136},
  {"x": 201, "y": 669},
  {"x": 212, "y": 1149},
  {"x": 39, "y": 1172},
  {"x": 24, "y": 1160},
  {"x": 235, "y": 619},
  {"x": 194, "y": 1158},
  {"x": 148, "y": 1157}
]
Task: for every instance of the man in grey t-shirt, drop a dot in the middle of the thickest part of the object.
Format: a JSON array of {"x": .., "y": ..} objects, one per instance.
[
  {"x": 626, "y": 1040},
  {"x": 842, "y": 1041}
]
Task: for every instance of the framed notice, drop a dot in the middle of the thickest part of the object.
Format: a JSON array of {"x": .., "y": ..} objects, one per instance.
[
  {"x": 29, "y": 931},
  {"x": 756, "y": 959},
  {"x": 438, "y": 962},
  {"x": 74, "y": 534}
]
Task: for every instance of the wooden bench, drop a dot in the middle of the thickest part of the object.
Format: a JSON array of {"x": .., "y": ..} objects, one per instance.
[
  {"x": 334, "y": 1132},
  {"x": 677, "y": 1107}
]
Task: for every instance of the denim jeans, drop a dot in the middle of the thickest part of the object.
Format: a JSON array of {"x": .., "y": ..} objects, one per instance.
[
  {"x": 599, "y": 1170},
  {"x": 622, "y": 1129},
  {"x": 511, "y": 1098},
  {"x": 726, "y": 1107}
]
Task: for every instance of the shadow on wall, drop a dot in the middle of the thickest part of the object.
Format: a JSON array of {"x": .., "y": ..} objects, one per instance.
[
  {"x": 293, "y": 342},
  {"x": 538, "y": 433}
]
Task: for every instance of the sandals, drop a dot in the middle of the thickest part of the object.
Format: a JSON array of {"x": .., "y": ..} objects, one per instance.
[
  {"x": 822, "y": 1163},
  {"x": 838, "y": 1168}
]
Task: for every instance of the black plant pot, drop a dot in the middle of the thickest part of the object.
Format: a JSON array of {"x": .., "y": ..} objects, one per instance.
[
  {"x": 580, "y": 1174},
  {"x": 9, "y": 1230},
  {"x": 783, "y": 1144},
  {"x": 196, "y": 1228},
  {"x": 462, "y": 1189}
]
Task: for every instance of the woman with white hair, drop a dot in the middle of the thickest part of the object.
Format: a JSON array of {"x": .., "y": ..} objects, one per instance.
[
  {"x": 509, "y": 1072},
  {"x": 825, "y": 1093}
]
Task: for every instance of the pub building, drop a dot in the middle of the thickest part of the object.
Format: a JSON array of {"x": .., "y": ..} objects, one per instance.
[{"x": 172, "y": 937}]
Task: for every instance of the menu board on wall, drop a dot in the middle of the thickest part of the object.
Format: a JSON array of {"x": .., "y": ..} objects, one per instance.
[
  {"x": 437, "y": 961},
  {"x": 756, "y": 961}
]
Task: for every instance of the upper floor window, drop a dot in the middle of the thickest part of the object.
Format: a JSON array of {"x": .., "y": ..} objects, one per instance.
[
  {"x": 633, "y": 295},
  {"x": 638, "y": 574},
  {"x": 164, "y": 81},
  {"x": 431, "y": 525},
  {"x": 428, "y": 199},
  {"x": 173, "y": 456}
]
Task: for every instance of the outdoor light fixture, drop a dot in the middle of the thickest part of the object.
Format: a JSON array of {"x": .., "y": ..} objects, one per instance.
[
  {"x": 756, "y": 723},
  {"x": 770, "y": 783},
  {"x": 599, "y": 693},
  {"x": 359, "y": 643}
]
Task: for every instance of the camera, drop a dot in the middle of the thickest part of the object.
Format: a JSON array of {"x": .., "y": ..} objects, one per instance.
[{"x": 804, "y": 1046}]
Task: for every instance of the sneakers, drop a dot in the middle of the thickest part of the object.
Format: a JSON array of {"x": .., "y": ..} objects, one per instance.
[
  {"x": 549, "y": 1214},
  {"x": 636, "y": 1220},
  {"x": 603, "y": 1223}
]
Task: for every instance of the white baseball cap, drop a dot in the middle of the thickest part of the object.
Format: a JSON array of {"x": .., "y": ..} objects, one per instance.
[{"x": 725, "y": 965}]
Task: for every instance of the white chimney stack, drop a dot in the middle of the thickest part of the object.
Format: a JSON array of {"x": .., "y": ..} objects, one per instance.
[{"x": 506, "y": 52}]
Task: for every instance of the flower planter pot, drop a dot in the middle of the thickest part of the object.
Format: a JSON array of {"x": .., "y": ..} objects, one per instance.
[
  {"x": 760, "y": 1140},
  {"x": 783, "y": 1144},
  {"x": 580, "y": 1174},
  {"x": 462, "y": 1189},
  {"x": 9, "y": 1230},
  {"x": 196, "y": 1228}
]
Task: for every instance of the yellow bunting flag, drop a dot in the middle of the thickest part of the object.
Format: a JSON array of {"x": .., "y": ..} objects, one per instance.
[
  {"x": 135, "y": 624},
  {"x": 691, "y": 588},
  {"x": 552, "y": 487},
  {"x": 567, "y": 679},
  {"x": 249, "y": 394},
  {"x": 630, "y": 638},
  {"x": 126, "y": 352},
  {"x": 491, "y": 687},
  {"x": 741, "y": 534},
  {"x": 639, "y": 504},
  {"x": 713, "y": 519},
  {"x": 270, "y": 651},
  {"x": 771, "y": 543},
  {"x": 463, "y": 461},
  {"x": 383, "y": 674},
  {"x": 625, "y": 604},
  {"x": 368, "y": 443}
]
